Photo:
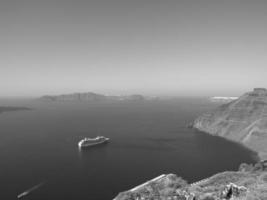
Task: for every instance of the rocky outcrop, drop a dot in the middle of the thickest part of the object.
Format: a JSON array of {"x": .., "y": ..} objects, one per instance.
[
  {"x": 243, "y": 120},
  {"x": 249, "y": 183},
  {"x": 232, "y": 191},
  {"x": 92, "y": 97}
]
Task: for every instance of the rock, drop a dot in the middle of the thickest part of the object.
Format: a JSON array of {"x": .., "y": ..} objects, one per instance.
[
  {"x": 232, "y": 191},
  {"x": 243, "y": 120}
]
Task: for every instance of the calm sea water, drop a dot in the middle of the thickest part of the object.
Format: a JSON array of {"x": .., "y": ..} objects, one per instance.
[{"x": 147, "y": 139}]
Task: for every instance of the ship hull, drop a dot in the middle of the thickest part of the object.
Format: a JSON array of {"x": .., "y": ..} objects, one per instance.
[{"x": 88, "y": 146}]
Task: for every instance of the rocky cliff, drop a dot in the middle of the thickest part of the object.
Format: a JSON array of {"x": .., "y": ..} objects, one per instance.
[{"x": 243, "y": 120}]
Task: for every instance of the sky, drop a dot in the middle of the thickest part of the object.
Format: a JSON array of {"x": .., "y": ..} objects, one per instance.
[{"x": 151, "y": 47}]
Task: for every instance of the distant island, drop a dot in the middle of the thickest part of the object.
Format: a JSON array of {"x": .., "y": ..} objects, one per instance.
[
  {"x": 243, "y": 120},
  {"x": 94, "y": 97},
  {"x": 10, "y": 109}
]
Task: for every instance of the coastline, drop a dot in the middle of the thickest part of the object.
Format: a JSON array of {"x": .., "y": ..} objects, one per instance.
[
  {"x": 243, "y": 121},
  {"x": 258, "y": 155},
  {"x": 258, "y": 158}
]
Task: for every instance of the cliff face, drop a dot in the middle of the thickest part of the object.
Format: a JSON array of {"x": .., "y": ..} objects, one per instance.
[{"x": 243, "y": 120}]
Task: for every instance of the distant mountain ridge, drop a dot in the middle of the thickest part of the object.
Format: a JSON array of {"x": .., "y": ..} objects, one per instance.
[
  {"x": 90, "y": 96},
  {"x": 243, "y": 120}
]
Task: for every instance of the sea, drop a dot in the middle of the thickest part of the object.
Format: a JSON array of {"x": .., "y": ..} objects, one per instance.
[{"x": 38, "y": 147}]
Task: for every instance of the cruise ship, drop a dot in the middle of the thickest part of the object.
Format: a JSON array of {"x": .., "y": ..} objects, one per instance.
[{"x": 89, "y": 142}]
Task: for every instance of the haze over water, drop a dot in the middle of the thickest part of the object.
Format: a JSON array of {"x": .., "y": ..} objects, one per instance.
[{"x": 147, "y": 139}]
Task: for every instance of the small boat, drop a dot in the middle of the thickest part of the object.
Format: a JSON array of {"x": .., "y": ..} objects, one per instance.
[
  {"x": 89, "y": 142},
  {"x": 27, "y": 192}
]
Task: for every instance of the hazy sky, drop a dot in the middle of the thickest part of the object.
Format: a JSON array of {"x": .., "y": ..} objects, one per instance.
[{"x": 159, "y": 47}]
